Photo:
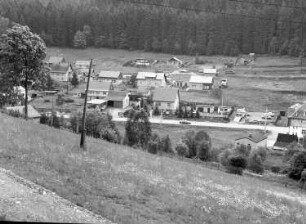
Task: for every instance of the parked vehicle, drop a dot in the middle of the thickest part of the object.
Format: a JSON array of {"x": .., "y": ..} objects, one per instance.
[{"x": 184, "y": 122}]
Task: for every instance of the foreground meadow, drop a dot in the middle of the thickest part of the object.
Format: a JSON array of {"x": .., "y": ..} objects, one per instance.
[{"x": 127, "y": 185}]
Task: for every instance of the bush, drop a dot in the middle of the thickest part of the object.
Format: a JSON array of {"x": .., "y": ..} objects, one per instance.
[
  {"x": 166, "y": 145},
  {"x": 181, "y": 149},
  {"x": 297, "y": 165},
  {"x": 69, "y": 100},
  {"x": 234, "y": 170},
  {"x": 224, "y": 157},
  {"x": 238, "y": 161},
  {"x": 203, "y": 150},
  {"x": 44, "y": 119},
  {"x": 275, "y": 169},
  {"x": 255, "y": 163},
  {"x": 242, "y": 150},
  {"x": 214, "y": 154},
  {"x": 154, "y": 144}
]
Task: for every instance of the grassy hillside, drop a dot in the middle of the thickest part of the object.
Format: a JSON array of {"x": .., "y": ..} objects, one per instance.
[{"x": 131, "y": 186}]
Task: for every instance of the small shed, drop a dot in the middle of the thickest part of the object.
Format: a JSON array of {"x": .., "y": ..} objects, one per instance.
[
  {"x": 283, "y": 140},
  {"x": 252, "y": 140},
  {"x": 118, "y": 99}
]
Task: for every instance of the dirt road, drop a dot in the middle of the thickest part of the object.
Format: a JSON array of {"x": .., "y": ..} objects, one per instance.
[{"x": 22, "y": 200}]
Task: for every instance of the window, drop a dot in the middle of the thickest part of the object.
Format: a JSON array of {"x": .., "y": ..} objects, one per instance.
[
  {"x": 169, "y": 104},
  {"x": 304, "y": 132}
]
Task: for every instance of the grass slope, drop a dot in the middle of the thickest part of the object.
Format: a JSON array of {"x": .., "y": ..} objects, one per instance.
[{"x": 131, "y": 186}]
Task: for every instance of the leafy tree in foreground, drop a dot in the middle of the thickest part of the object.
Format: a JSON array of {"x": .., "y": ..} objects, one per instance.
[
  {"x": 79, "y": 40},
  {"x": 138, "y": 128},
  {"x": 21, "y": 56}
]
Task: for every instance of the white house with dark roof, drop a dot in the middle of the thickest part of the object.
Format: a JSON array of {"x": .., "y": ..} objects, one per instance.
[
  {"x": 118, "y": 99},
  {"x": 297, "y": 119},
  {"x": 175, "y": 61},
  {"x": 110, "y": 76},
  {"x": 198, "y": 82},
  {"x": 99, "y": 90},
  {"x": 252, "y": 140},
  {"x": 166, "y": 99},
  {"x": 150, "y": 79},
  {"x": 61, "y": 72}
]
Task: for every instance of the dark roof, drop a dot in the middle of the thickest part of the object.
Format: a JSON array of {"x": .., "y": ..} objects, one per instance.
[
  {"x": 254, "y": 137},
  {"x": 59, "y": 67},
  {"x": 198, "y": 98},
  {"x": 165, "y": 94},
  {"x": 96, "y": 85},
  {"x": 283, "y": 140},
  {"x": 116, "y": 95}
]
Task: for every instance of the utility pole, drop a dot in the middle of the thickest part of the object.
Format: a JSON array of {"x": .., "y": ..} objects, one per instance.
[
  {"x": 266, "y": 119},
  {"x": 302, "y": 52},
  {"x": 82, "y": 143},
  {"x": 26, "y": 90}
]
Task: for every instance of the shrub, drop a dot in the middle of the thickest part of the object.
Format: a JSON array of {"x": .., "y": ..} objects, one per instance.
[
  {"x": 242, "y": 150},
  {"x": 203, "y": 150},
  {"x": 234, "y": 170},
  {"x": 166, "y": 145},
  {"x": 224, "y": 157},
  {"x": 255, "y": 163},
  {"x": 214, "y": 154},
  {"x": 154, "y": 144},
  {"x": 44, "y": 119},
  {"x": 238, "y": 161},
  {"x": 297, "y": 165},
  {"x": 181, "y": 149},
  {"x": 69, "y": 100},
  {"x": 275, "y": 169}
]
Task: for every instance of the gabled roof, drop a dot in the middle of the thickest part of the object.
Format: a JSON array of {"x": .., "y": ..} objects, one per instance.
[
  {"x": 182, "y": 77},
  {"x": 100, "y": 86},
  {"x": 165, "y": 94},
  {"x": 178, "y": 72},
  {"x": 283, "y": 140},
  {"x": 254, "y": 137},
  {"x": 97, "y": 101},
  {"x": 32, "y": 113},
  {"x": 199, "y": 98},
  {"x": 61, "y": 68},
  {"x": 299, "y": 111},
  {"x": 201, "y": 79},
  {"x": 56, "y": 60},
  {"x": 116, "y": 95},
  {"x": 144, "y": 75},
  {"x": 109, "y": 74}
]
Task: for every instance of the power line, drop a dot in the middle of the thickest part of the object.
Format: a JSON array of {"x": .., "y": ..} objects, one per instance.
[
  {"x": 208, "y": 11},
  {"x": 270, "y": 4}
]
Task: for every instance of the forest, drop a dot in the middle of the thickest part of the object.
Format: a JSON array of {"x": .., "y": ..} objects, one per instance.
[{"x": 204, "y": 27}]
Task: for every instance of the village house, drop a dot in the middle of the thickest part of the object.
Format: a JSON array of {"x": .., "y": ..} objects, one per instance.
[
  {"x": 150, "y": 79},
  {"x": 97, "y": 104},
  {"x": 198, "y": 82},
  {"x": 54, "y": 60},
  {"x": 297, "y": 119},
  {"x": 32, "y": 113},
  {"x": 180, "y": 79},
  {"x": 82, "y": 67},
  {"x": 207, "y": 105},
  {"x": 139, "y": 96},
  {"x": 253, "y": 141},
  {"x": 98, "y": 90},
  {"x": 283, "y": 140},
  {"x": 166, "y": 99},
  {"x": 177, "y": 62},
  {"x": 61, "y": 72},
  {"x": 118, "y": 99},
  {"x": 110, "y": 76}
]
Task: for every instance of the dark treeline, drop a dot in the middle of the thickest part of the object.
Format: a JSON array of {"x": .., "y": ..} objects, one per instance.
[{"x": 120, "y": 24}]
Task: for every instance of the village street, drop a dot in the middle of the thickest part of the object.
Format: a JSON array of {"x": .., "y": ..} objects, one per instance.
[{"x": 231, "y": 125}]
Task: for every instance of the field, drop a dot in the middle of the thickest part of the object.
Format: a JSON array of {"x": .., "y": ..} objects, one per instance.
[
  {"x": 131, "y": 186},
  {"x": 221, "y": 138},
  {"x": 273, "y": 82}
]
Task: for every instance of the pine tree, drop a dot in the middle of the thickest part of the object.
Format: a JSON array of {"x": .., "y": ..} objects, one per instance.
[{"x": 79, "y": 40}]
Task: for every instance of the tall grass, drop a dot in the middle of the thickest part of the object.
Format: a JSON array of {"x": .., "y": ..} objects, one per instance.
[{"x": 130, "y": 186}]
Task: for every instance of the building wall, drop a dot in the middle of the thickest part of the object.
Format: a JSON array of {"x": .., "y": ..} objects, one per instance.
[
  {"x": 94, "y": 94},
  {"x": 297, "y": 127},
  {"x": 109, "y": 80},
  {"x": 150, "y": 83},
  {"x": 245, "y": 141}
]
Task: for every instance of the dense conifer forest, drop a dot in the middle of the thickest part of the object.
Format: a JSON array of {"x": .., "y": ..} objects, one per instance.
[{"x": 204, "y": 27}]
